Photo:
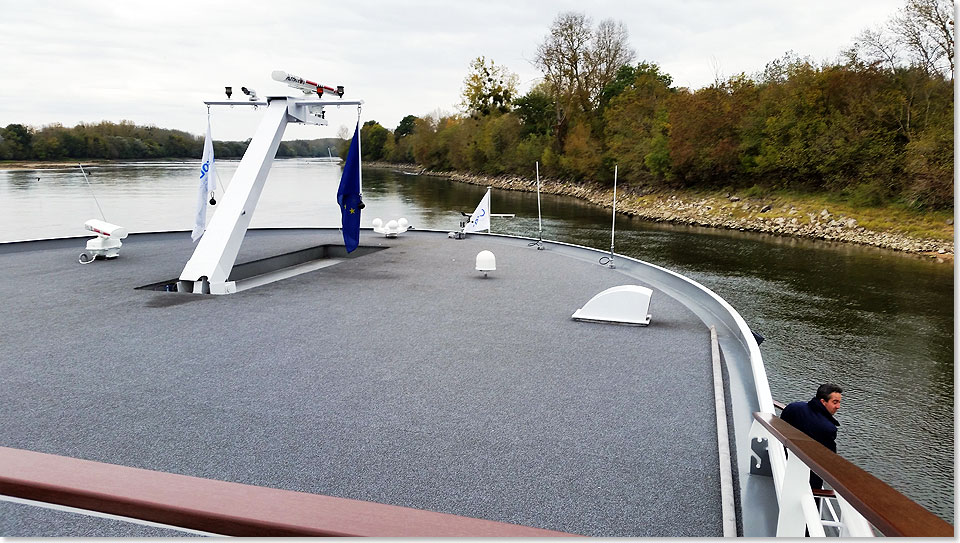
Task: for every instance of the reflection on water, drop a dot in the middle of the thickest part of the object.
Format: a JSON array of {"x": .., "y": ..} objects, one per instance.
[{"x": 878, "y": 323}]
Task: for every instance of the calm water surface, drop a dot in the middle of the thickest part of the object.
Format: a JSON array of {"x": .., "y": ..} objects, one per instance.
[{"x": 876, "y": 322}]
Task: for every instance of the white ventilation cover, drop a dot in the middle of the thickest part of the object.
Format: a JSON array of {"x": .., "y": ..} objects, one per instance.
[{"x": 626, "y": 304}]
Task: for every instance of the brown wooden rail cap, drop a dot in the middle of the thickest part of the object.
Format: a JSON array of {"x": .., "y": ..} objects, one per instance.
[
  {"x": 890, "y": 511},
  {"x": 222, "y": 507}
]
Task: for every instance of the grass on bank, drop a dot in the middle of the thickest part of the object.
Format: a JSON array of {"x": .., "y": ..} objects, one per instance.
[{"x": 883, "y": 217}]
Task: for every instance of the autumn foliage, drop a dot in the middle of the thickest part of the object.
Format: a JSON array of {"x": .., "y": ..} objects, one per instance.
[{"x": 870, "y": 130}]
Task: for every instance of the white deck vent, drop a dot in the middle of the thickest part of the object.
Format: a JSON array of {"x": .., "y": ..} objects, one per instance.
[
  {"x": 626, "y": 304},
  {"x": 486, "y": 262}
]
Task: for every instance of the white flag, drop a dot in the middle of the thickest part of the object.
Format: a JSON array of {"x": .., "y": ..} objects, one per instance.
[
  {"x": 208, "y": 182},
  {"x": 480, "y": 219}
]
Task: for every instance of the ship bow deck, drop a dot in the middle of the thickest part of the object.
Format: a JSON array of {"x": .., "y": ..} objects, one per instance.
[{"x": 402, "y": 376}]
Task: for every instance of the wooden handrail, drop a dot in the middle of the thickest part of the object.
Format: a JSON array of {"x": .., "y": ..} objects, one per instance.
[
  {"x": 222, "y": 507},
  {"x": 823, "y": 493},
  {"x": 889, "y": 511}
]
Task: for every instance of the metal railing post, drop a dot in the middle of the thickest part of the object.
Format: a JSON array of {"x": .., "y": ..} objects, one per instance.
[
  {"x": 797, "y": 507},
  {"x": 853, "y": 523}
]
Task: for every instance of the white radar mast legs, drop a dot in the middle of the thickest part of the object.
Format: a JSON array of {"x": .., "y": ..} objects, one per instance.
[{"x": 208, "y": 270}]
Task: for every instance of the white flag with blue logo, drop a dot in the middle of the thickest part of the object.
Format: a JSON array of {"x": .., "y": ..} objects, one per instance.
[
  {"x": 480, "y": 219},
  {"x": 208, "y": 182}
]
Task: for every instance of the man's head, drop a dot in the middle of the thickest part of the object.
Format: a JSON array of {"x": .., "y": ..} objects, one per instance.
[{"x": 830, "y": 396}]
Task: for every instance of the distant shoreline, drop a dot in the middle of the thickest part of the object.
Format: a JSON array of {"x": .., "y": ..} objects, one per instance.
[
  {"x": 20, "y": 165},
  {"x": 770, "y": 215}
]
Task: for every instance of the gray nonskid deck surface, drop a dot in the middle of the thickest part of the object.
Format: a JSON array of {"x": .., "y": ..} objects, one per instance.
[{"x": 399, "y": 377}]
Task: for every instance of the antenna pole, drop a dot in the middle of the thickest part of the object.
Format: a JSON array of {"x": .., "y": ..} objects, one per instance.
[
  {"x": 91, "y": 192},
  {"x": 613, "y": 226},
  {"x": 359, "y": 154},
  {"x": 490, "y": 204},
  {"x": 539, "y": 215}
]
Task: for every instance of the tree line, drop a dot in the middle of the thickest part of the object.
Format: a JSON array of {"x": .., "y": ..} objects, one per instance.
[
  {"x": 128, "y": 141},
  {"x": 875, "y": 125}
]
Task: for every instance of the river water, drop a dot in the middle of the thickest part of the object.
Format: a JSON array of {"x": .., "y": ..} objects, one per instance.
[{"x": 878, "y": 323}]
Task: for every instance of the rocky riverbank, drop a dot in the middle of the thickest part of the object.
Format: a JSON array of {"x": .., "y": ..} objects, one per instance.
[{"x": 767, "y": 215}]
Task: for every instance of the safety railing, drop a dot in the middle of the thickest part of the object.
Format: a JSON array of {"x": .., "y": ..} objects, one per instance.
[
  {"x": 863, "y": 502},
  {"x": 219, "y": 507},
  {"x": 827, "y": 499}
]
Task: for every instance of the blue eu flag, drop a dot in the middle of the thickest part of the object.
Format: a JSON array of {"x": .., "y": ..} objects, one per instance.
[{"x": 348, "y": 196}]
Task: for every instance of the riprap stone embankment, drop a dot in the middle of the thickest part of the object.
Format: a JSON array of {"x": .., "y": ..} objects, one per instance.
[{"x": 726, "y": 211}]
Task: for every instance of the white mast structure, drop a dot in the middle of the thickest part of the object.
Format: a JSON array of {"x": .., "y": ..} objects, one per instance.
[
  {"x": 613, "y": 225},
  {"x": 208, "y": 270},
  {"x": 539, "y": 215}
]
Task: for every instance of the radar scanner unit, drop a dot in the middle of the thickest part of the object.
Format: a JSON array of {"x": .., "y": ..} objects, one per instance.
[
  {"x": 107, "y": 243},
  {"x": 305, "y": 85}
]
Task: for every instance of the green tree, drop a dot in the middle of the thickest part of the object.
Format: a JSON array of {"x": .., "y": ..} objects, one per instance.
[
  {"x": 495, "y": 140},
  {"x": 537, "y": 110},
  {"x": 373, "y": 137},
  {"x": 16, "y": 142},
  {"x": 429, "y": 145},
  {"x": 582, "y": 154},
  {"x": 406, "y": 127},
  {"x": 929, "y": 155},
  {"x": 635, "y": 121},
  {"x": 488, "y": 88},
  {"x": 47, "y": 148},
  {"x": 704, "y": 140},
  {"x": 403, "y": 151},
  {"x": 627, "y": 77}
]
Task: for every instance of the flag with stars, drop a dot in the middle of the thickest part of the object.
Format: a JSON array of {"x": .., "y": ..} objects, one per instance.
[{"x": 348, "y": 196}]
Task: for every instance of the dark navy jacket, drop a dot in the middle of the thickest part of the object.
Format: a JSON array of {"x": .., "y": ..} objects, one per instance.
[{"x": 813, "y": 419}]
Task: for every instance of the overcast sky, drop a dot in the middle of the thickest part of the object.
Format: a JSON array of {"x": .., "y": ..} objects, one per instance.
[{"x": 155, "y": 62}]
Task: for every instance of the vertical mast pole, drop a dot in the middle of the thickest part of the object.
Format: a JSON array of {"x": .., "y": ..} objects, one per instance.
[
  {"x": 539, "y": 215},
  {"x": 359, "y": 155},
  {"x": 539, "y": 242},
  {"x": 489, "y": 210},
  {"x": 613, "y": 226}
]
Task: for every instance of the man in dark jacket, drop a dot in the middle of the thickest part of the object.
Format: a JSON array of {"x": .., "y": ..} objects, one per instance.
[{"x": 815, "y": 418}]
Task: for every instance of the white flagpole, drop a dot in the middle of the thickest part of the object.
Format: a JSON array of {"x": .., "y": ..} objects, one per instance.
[
  {"x": 539, "y": 216},
  {"x": 539, "y": 242},
  {"x": 359, "y": 155},
  {"x": 490, "y": 211},
  {"x": 613, "y": 226}
]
